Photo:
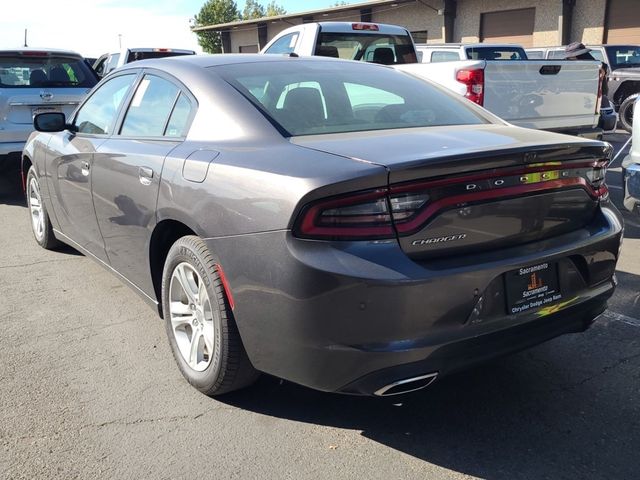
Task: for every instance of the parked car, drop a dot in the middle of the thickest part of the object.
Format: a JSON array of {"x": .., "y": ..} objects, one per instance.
[
  {"x": 451, "y": 52},
  {"x": 34, "y": 81},
  {"x": 108, "y": 62},
  {"x": 623, "y": 77},
  {"x": 562, "y": 97},
  {"x": 631, "y": 168},
  {"x": 338, "y": 224}
]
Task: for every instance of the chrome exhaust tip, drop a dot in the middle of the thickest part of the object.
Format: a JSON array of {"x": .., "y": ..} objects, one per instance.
[{"x": 407, "y": 385}]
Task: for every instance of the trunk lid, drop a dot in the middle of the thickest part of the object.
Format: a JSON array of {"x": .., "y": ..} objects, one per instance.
[{"x": 482, "y": 187}]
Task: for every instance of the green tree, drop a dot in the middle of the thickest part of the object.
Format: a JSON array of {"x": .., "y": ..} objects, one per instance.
[
  {"x": 273, "y": 9},
  {"x": 253, "y": 9},
  {"x": 341, "y": 3},
  {"x": 212, "y": 13}
]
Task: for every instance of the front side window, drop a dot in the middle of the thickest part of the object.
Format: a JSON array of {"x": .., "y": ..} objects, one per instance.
[
  {"x": 45, "y": 71},
  {"x": 99, "y": 112},
  {"x": 286, "y": 44},
  {"x": 150, "y": 108},
  {"x": 309, "y": 98}
]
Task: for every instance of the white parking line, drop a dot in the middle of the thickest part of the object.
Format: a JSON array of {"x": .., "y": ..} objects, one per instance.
[{"x": 619, "y": 317}]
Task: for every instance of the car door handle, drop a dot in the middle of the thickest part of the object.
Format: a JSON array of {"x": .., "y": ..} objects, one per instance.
[
  {"x": 84, "y": 168},
  {"x": 146, "y": 175}
]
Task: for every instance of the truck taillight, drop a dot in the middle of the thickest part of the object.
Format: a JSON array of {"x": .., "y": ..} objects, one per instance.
[
  {"x": 601, "y": 81},
  {"x": 473, "y": 79}
]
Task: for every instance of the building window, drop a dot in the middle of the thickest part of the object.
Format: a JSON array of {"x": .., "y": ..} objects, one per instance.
[
  {"x": 419, "y": 36},
  {"x": 249, "y": 49}
]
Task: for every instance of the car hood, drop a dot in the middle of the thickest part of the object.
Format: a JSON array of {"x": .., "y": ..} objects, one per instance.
[
  {"x": 626, "y": 72},
  {"x": 441, "y": 149}
]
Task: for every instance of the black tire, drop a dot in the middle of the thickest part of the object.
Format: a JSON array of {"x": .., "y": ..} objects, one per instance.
[
  {"x": 229, "y": 367},
  {"x": 625, "y": 112},
  {"x": 45, "y": 237}
]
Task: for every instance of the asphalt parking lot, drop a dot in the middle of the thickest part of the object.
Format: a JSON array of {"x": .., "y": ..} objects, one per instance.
[{"x": 89, "y": 389}]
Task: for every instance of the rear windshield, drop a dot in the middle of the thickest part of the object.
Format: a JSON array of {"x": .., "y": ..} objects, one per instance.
[
  {"x": 369, "y": 47},
  {"x": 496, "y": 53},
  {"x": 623, "y": 56},
  {"x": 308, "y": 98},
  {"x": 46, "y": 71},
  {"x": 133, "y": 56}
]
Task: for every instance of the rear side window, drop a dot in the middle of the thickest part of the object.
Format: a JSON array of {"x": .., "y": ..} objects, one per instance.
[
  {"x": 150, "y": 108},
  {"x": 179, "y": 120},
  {"x": 98, "y": 114},
  {"x": 444, "y": 57},
  {"x": 535, "y": 54},
  {"x": 32, "y": 71},
  {"x": 146, "y": 55},
  {"x": 285, "y": 44}
]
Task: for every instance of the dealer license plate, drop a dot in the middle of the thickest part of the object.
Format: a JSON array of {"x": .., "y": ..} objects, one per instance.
[{"x": 533, "y": 287}]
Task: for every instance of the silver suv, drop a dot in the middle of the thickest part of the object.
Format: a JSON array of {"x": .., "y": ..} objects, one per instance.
[{"x": 34, "y": 81}]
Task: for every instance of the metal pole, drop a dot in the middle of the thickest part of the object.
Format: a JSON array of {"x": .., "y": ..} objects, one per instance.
[
  {"x": 25, "y": 37},
  {"x": 119, "y": 41}
]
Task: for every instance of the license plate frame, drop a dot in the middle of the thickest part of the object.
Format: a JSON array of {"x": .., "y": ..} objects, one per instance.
[
  {"x": 532, "y": 287},
  {"x": 45, "y": 109}
]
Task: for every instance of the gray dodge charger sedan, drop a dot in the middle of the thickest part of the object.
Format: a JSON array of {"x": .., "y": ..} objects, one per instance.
[{"x": 338, "y": 224}]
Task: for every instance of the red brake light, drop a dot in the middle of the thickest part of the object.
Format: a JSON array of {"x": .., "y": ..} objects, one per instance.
[
  {"x": 474, "y": 81},
  {"x": 365, "y": 26},
  {"x": 161, "y": 49},
  {"x": 31, "y": 53}
]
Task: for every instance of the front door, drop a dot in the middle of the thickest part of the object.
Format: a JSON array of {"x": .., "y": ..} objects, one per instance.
[{"x": 70, "y": 160}]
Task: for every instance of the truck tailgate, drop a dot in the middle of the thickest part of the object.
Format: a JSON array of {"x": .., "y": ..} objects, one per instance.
[{"x": 542, "y": 94}]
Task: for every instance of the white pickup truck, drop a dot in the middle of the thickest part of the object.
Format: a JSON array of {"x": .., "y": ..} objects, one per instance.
[{"x": 561, "y": 95}]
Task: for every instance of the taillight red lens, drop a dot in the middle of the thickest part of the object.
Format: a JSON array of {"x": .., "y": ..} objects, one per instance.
[
  {"x": 356, "y": 216},
  {"x": 473, "y": 79},
  {"x": 365, "y": 26}
]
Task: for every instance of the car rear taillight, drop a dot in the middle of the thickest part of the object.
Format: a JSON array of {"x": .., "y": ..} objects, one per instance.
[
  {"x": 365, "y": 26},
  {"x": 359, "y": 216},
  {"x": 403, "y": 209},
  {"x": 473, "y": 79}
]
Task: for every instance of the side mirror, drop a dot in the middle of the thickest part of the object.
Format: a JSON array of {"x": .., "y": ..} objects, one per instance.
[{"x": 50, "y": 122}]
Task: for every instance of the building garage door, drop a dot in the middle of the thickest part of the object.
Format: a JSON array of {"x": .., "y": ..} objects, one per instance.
[
  {"x": 623, "y": 22},
  {"x": 509, "y": 26}
]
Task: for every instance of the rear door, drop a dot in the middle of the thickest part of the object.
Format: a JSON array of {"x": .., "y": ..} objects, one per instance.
[
  {"x": 127, "y": 168},
  {"x": 543, "y": 95},
  {"x": 70, "y": 163},
  {"x": 33, "y": 82}
]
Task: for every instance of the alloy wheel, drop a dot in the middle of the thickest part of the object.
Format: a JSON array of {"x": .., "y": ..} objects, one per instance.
[{"x": 37, "y": 212}]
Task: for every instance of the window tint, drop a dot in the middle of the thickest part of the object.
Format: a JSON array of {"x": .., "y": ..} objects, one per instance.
[
  {"x": 308, "y": 98},
  {"x": 179, "y": 119},
  {"x": 496, "y": 53},
  {"x": 368, "y": 47},
  {"x": 47, "y": 71},
  {"x": 150, "y": 108},
  {"x": 99, "y": 113},
  {"x": 285, "y": 45},
  {"x": 623, "y": 56},
  {"x": 444, "y": 57}
]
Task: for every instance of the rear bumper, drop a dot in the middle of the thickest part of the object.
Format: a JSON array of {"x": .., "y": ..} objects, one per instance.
[{"x": 353, "y": 317}]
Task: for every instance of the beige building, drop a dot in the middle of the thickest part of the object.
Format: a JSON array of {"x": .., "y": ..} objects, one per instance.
[{"x": 527, "y": 22}]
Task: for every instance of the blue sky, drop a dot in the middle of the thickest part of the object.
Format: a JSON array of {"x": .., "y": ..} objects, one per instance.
[{"x": 93, "y": 27}]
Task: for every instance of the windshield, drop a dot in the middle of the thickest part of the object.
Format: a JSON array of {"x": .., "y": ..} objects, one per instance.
[
  {"x": 496, "y": 53},
  {"x": 368, "y": 47},
  {"x": 307, "y": 98},
  {"x": 22, "y": 71},
  {"x": 623, "y": 56}
]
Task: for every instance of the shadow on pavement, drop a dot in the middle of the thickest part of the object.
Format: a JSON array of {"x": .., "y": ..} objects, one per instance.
[{"x": 548, "y": 413}]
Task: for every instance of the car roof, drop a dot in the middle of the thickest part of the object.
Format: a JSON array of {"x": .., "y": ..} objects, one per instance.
[
  {"x": 55, "y": 51},
  {"x": 467, "y": 45}
]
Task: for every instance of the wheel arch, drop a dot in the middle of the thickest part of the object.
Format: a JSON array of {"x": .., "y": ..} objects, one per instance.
[
  {"x": 628, "y": 87},
  {"x": 25, "y": 165},
  {"x": 164, "y": 235}
]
